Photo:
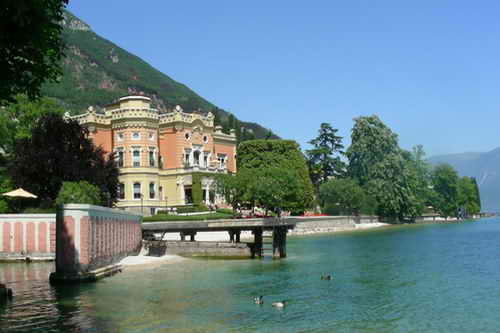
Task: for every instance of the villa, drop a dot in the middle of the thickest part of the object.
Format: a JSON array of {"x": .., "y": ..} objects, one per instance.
[{"x": 166, "y": 159}]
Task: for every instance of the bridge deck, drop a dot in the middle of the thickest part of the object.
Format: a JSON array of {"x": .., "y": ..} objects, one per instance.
[{"x": 218, "y": 225}]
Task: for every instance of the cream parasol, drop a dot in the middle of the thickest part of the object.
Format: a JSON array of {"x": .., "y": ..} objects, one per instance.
[{"x": 19, "y": 193}]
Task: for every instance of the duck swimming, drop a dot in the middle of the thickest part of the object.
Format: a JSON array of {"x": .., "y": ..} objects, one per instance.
[
  {"x": 259, "y": 300},
  {"x": 326, "y": 277},
  {"x": 281, "y": 304}
]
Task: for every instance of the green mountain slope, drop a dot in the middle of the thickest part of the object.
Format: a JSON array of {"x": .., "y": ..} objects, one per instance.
[{"x": 96, "y": 71}]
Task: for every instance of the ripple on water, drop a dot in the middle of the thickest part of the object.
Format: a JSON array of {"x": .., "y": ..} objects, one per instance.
[{"x": 433, "y": 278}]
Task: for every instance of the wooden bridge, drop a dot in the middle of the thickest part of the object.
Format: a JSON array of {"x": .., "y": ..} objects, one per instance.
[{"x": 277, "y": 227}]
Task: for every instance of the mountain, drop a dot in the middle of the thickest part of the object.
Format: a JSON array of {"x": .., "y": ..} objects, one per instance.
[
  {"x": 485, "y": 167},
  {"x": 96, "y": 72}
]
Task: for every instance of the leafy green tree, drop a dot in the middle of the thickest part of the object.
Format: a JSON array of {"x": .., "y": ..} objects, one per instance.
[
  {"x": 272, "y": 188},
  {"x": 477, "y": 193},
  {"x": 5, "y": 186},
  {"x": 235, "y": 188},
  {"x": 467, "y": 196},
  {"x": 423, "y": 170},
  {"x": 371, "y": 142},
  {"x": 324, "y": 159},
  {"x": 78, "y": 192},
  {"x": 445, "y": 184},
  {"x": 276, "y": 189},
  {"x": 18, "y": 118},
  {"x": 419, "y": 177},
  {"x": 378, "y": 164},
  {"x": 31, "y": 48},
  {"x": 393, "y": 185},
  {"x": 342, "y": 196},
  {"x": 59, "y": 151},
  {"x": 279, "y": 154}
]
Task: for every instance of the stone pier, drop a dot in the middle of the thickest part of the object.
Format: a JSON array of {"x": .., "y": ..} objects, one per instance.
[{"x": 278, "y": 228}]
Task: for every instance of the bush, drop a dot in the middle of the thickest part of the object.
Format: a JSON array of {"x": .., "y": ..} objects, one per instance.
[
  {"x": 79, "y": 192},
  {"x": 184, "y": 210},
  {"x": 192, "y": 209},
  {"x": 37, "y": 210},
  {"x": 202, "y": 208},
  {"x": 4, "y": 207},
  {"x": 224, "y": 211},
  {"x": 166, "y": 218},
  {"x": 162, "y": 212}
]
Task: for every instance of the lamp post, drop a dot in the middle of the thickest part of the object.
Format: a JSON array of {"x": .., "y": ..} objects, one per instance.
[{"x": 142, "y": 204}]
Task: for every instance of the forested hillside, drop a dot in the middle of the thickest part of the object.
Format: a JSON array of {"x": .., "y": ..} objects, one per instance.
[{"x": 96, "y": 71}]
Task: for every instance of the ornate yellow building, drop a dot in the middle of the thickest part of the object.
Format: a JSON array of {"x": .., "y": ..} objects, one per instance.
[{"x": 165, "y": 159}]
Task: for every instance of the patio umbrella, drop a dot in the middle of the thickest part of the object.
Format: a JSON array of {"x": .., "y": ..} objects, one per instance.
[{"x": 19, "y": 193}]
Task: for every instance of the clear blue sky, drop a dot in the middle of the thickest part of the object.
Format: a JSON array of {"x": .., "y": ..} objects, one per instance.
[{"x": 429, "y": 69}]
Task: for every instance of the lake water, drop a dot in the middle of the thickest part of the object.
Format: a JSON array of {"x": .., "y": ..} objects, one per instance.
[{"x": 421, "y": 278}]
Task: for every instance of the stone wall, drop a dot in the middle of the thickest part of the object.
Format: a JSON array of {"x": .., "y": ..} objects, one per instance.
[
  {"x": 205, "y": 249},
  {"x": 311, "y": 225},
  {"x": 91, "y": 237},
  {"x": 27, "y": 236}
]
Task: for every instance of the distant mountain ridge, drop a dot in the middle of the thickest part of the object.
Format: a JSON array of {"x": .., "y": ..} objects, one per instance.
[
  {"x": 485, "y": 167},
  {"x": 96, "y": 72}
]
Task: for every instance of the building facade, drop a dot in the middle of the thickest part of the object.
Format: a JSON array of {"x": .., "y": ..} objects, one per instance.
[{"x": 165, "y": 159}]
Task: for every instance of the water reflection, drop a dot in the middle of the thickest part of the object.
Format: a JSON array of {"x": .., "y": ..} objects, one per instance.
[{"x": 404, "y": 279}]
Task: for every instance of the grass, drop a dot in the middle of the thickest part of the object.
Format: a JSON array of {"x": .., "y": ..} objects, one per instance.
[{"x": 174, "y": 218}]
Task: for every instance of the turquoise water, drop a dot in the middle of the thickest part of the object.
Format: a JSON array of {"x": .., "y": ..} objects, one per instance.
[{"x": 424, "y": 278}]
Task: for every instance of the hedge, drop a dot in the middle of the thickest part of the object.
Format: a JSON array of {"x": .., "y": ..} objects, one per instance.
[{"x": 166, "y": 218}]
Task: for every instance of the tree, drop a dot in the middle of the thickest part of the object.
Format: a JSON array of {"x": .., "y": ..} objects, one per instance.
[
  {"x": 18, "y": 118},
  {"x": 5, "y": 186},
  {"x": 341, "y": 196},
  {"x": 467, "y": 196},
  {"x": 272, "y": 188},
  {"x": 276, "y": 189},
  {"x": 371, "y": 142},
  {"x": 324, "y": 159},
  {"x": 279, "y": 154},
  {"x": 477, "y": 193},
  {"x": 31, "y": 47},
  {"x": 419, "y": 176},
  {"x": 235, "y": 188},
  {"x": 445, "y": 183},
  {"x": 60, "y": 151},
  {"x": 423, "y": 171},
  {"x": 378, "y": 164},
  {"x": 78, "y": 192},
  {"x": 393, "y": 185}
]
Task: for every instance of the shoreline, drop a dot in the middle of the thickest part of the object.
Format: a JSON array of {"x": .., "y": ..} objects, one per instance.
[{"x": 143, "y": 262}]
